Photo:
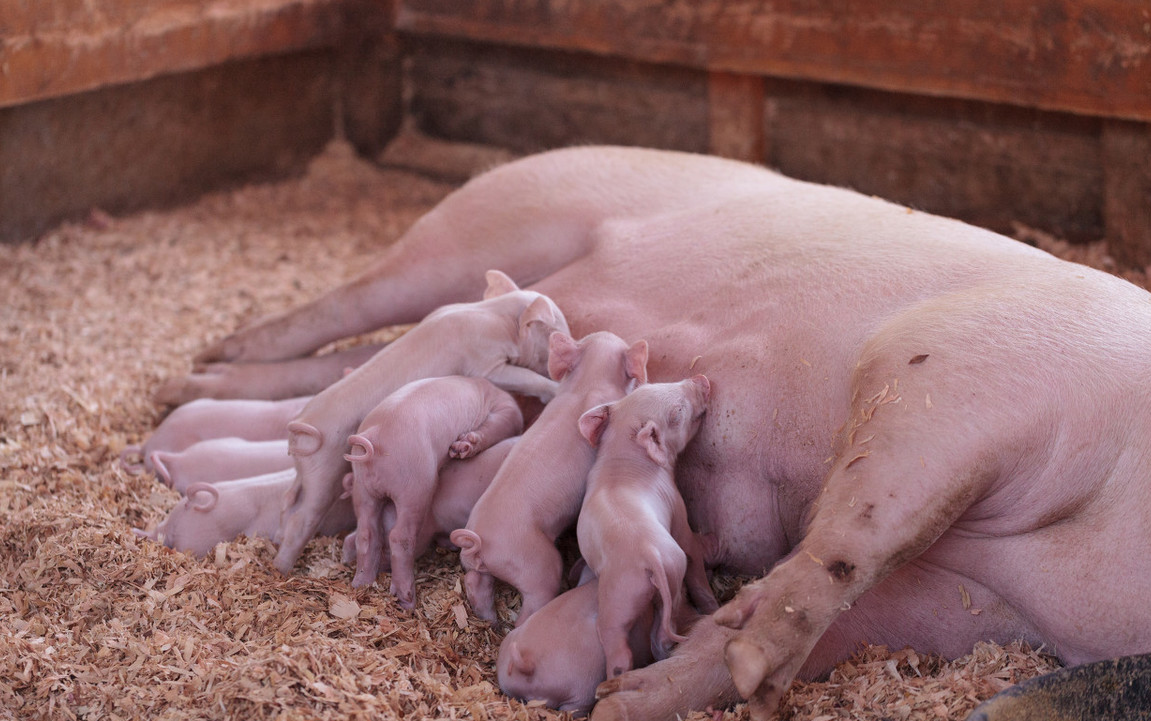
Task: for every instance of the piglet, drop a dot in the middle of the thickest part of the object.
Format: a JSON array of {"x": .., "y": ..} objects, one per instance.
[
  {"x": 397, "y": 454},
  {"x": 555, "y": 656},
  {"x": 220, "y": 459},
  {"x": 502, "y": 338},
  {"x": 206, "y": 418},
  {"x": 460, "y": 485},
  {"x": 633, "y": 529},
  {"x": 537, "y": 493},
  {"x": 213, "y": 513}
]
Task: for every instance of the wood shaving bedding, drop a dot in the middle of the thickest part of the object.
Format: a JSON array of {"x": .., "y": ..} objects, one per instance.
[{"x": 96, "y": 623}]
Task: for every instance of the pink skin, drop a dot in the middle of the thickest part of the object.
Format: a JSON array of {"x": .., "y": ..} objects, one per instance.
[
  {"x": 213, "y": 513},
  {"x": 502, "y": 338},
  {"x": 536, "y": 496},
  {"x": 204, "y": 419},
  {"x": 460, "y": 485},
  {"x": 303, "y": 377},
  {"x": 555, "y": 656},
  {"x": 1011, "y": 458},
  {"x": 397, "y": 455},
  {"x": 220, "y": 459},
  {"x": 633, "y": 529}
]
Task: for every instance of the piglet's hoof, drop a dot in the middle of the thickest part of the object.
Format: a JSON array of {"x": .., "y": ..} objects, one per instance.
[{"x": 465, "y": 446}]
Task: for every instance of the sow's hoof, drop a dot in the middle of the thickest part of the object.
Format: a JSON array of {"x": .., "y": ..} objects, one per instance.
[{"x": 1114, "y": 690}]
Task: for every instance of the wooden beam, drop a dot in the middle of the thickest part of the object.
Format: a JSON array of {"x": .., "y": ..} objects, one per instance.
[
  {"x": 1091, "y": 57},
  {"x": 528, "y": 100},
  {"x": 52, "y": 49}
]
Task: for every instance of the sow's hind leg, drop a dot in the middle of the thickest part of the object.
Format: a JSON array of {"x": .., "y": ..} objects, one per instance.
[
  {"x": 272, "y": 380},
  {"x": 910, "y": 461},
  {"x": 503, "y": 220}
]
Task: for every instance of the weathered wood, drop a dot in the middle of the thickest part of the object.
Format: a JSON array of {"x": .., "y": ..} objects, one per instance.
[
  {"x": 1127, "y": 191},
  {"x": 162, "y": 141},
  {"x": 529, "y": 101},
  {"x": 735, "y": 116},
  {"x": 991, "y": 165},
  {"x": 1090, "y": 57},
  {"x": 52, "y": 49},
  {"x": 371, "y": 76}
]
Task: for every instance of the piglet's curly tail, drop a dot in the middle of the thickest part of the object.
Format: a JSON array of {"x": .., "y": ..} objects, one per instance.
[{"x": 202, "y": 487}]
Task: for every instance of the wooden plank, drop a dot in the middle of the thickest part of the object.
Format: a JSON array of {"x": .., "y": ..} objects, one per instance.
[
  {"x": 991, "y": 165},
  {"x": 529, "y": 100},
  {"x": 1127, "y": 192},
  {"x": 163, "y": 140},
  {"x": 51, "y": 49},
  {"x": 735, "y": 116},
  {"x": 1090, "y": 57}
]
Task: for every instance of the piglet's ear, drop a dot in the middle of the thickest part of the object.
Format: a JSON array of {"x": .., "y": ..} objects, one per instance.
[
  {"x": 593, "y": 422},
  {"x": 563, "y": 352},
  {"x": 540, "y": 311},
  {"x": 636, "y": 362},
  {"x": 651, "y": 439},
  {"x": 498, "y": 284},
  {"x": 521, "y": 660}
]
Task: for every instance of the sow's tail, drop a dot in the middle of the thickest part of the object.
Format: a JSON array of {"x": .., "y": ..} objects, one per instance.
[{"x": 470, "y": 544}]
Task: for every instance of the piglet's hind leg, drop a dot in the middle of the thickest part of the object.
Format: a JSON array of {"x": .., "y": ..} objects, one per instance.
[{"x": 404, "y": 544}]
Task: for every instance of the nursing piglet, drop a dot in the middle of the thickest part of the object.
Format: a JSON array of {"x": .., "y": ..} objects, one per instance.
[
  {"x": 220, "y": 459},
  {"x": 397, "y": 454},
  {"x": 536, "y": 495},
  {"x": 633, "y": 529},
  {"x": 460, "y": 485},
  {"x": 556, "y": 656},
  {"x": 502, "y": 338},
  {"x": 207, "y": 418},
  {"x": 212, "y": 513}
]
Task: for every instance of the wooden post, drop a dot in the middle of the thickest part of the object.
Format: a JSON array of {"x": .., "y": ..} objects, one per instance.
[
  {"x": 735, "y": 116},
  {"x": 1127, "y": 191}
]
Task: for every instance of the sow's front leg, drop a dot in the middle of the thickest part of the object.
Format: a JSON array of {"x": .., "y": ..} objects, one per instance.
[
  {"x": 902, "y": 475},
  {"x": 908, "y": 468},
  {"x": 692, "y": 679}
]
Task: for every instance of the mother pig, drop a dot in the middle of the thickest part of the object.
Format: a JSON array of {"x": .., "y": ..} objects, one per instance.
[{"x": 928, "y": 433}]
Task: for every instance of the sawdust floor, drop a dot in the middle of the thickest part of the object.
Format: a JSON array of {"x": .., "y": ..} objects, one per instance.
[{"x": 97, "y": 624}]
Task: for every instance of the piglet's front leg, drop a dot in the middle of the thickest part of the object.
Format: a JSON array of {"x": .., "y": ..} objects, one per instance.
[{"x": 515, "y": 379}]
